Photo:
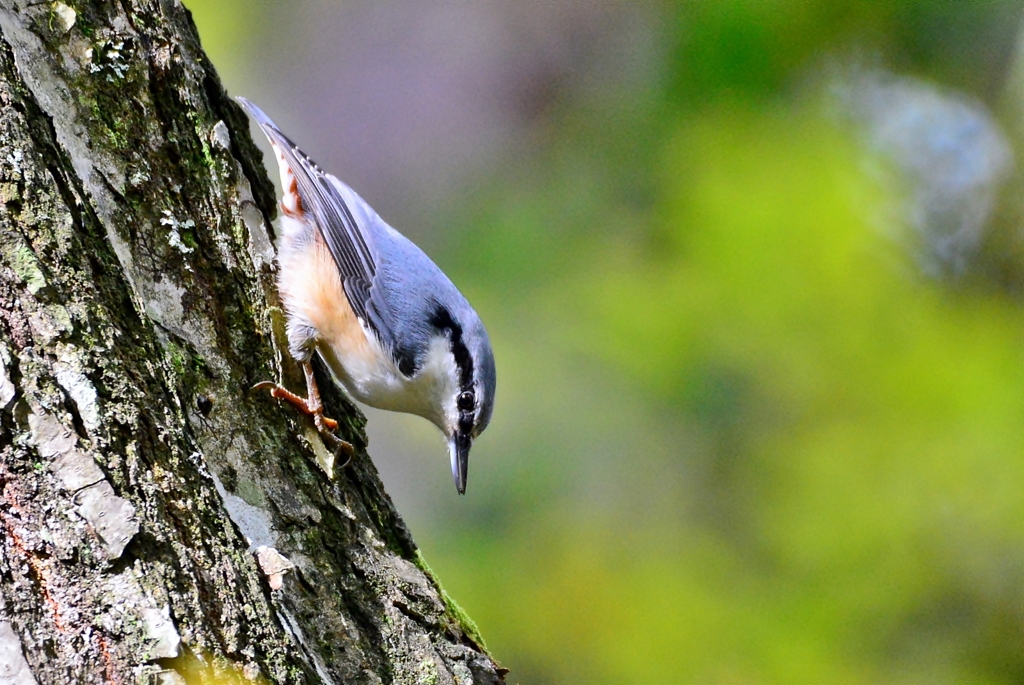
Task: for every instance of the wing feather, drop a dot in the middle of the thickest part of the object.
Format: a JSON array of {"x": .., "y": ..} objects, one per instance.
[{"x": 332, "y": 215}]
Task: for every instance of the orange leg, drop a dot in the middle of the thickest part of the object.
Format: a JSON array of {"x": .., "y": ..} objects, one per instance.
[{"x": 310, "y": 405}]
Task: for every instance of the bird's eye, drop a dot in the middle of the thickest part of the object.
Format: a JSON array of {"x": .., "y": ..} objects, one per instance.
[{"x": 466, "y": 401}]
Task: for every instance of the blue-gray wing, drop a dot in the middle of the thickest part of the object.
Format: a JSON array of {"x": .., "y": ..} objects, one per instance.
[{"x": 333, "y": 215}]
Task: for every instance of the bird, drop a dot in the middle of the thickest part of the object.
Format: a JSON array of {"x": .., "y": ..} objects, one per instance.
[{"x": 392, "y": 328}]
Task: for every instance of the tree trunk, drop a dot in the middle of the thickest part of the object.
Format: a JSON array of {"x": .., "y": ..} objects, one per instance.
[{"x": 159, "y": 522}]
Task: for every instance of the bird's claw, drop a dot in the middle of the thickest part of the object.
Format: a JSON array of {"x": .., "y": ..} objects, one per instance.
[{"x": 339, "y": 446}]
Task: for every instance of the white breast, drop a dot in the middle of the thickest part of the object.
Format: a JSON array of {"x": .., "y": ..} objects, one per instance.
[{"x": 376, "y": 380}]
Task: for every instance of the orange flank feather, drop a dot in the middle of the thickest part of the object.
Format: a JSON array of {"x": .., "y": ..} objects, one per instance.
[{"x": 311, "y": 287}]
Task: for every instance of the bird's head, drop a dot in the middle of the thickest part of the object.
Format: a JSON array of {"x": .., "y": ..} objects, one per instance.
[{"x": 468, "y": 395}]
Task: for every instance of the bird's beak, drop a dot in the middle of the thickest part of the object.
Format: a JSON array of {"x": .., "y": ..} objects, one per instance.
[{"x": 458, "y": 446}]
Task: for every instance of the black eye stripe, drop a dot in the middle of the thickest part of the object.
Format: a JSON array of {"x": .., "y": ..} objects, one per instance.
[{"x": 442, "y": 320}]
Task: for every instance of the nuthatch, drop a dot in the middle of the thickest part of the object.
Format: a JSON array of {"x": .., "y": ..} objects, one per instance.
[{"x": 395, "y": 332}]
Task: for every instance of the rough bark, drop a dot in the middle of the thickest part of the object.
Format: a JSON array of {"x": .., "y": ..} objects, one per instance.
[{"x": 149, "y": 501}]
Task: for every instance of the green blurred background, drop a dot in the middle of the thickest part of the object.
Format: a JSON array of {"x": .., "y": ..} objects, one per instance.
[{"x": 752, "y": 272}]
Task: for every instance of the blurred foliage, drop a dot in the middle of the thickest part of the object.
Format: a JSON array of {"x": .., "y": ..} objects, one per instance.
[{"x": 739, "y": 436}]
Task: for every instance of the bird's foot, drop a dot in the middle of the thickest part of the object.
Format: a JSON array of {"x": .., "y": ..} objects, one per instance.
[
  {"x": 312, "y": 406},
  {"x": 325, "y": 425}
]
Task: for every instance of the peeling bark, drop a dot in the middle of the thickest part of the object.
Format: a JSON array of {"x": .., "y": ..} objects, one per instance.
[{"x": 158, "y": 522}]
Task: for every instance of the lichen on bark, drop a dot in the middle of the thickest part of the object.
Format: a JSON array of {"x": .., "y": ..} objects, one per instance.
[{"x": 158, "y": 521}]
